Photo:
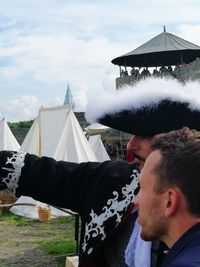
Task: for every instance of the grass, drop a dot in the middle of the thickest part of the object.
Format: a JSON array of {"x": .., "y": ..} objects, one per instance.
[
  {"x": 55, "y": 238},
  {"x": 62, "y": 245},
  {"x": 12, "y": 219},
  {"x": 59, "y": 249}
]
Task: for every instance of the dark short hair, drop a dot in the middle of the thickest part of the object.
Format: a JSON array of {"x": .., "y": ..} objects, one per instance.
[{"x": 180, "y": 164}]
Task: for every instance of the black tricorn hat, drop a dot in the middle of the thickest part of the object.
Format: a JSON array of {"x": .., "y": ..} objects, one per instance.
[{"x": 151, "y": 107}]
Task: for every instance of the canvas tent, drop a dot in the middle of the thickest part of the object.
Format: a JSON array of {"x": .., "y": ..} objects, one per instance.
[
  {"x": 7, "y": 139},
  {"x": 94, "y": 132},
  {"x": 55, "y": 133},
  {"x": 96, "y": 128},
  {"x": 98, "y": 147}
]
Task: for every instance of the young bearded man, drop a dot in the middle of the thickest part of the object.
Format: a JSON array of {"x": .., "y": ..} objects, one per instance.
[{"x": 169, "y": 198}]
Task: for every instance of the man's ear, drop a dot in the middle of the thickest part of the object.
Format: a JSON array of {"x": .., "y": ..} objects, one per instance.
[{"x": 171, "y": 202}]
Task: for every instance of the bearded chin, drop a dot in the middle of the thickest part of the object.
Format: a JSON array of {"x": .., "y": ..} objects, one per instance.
[
  {"x": 148, "y": 237},
  {"x": 155, "y": 233}
]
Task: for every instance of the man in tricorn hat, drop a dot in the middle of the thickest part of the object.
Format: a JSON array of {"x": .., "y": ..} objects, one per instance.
[{"x": 103, "y": 193}]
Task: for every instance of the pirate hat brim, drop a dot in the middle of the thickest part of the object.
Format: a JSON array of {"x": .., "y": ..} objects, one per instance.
[{"x": 152, "y": 107}]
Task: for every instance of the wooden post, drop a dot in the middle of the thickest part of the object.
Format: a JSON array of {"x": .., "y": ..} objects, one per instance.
[{"x": 71, "y": 261}]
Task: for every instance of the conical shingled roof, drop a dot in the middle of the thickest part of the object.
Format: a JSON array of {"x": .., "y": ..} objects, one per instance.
[{"x": 163, "y": 50}]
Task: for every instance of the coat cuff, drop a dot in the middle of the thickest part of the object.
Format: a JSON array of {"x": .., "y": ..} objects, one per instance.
[{"x": 11, "y": 164}]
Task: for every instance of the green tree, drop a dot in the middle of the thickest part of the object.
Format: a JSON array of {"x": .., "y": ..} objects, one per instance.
[{"x": 20, "y": 124}]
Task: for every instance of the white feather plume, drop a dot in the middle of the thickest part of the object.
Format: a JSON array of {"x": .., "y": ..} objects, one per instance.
[{"x": 148, "y": 92}]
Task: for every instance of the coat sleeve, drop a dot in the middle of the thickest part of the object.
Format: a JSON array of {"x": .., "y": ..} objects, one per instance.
[{"x": 64, "y": 184}]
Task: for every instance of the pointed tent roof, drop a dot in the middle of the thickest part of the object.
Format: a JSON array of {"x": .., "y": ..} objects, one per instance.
[
  {"x": 163, "y": 50},
  {"x": 66, "y": 141},
  {"x": 96, "y": 128},
  {"x": 69, "y": 98},
  {"x": 7, "y": 139}
]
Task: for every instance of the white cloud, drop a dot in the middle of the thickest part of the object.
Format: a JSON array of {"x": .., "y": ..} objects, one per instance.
[
  {"x": 80, "y": 99},
  {"x": 190, "y": 32},
  {"x": 45, "y": 44},
  {"x": 23, "y": 108}
]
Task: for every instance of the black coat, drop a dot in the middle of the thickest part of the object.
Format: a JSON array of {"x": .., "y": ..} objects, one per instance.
[{"x": 101, "y": 193}]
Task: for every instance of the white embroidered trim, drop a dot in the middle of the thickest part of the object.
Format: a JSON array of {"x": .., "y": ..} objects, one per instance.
[
  {"x": 12, "y": 179},
  {"x": 114, "y": 207}
]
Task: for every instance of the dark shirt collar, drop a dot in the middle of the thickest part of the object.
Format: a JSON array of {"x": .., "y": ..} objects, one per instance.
[{"x": 181, "y": 243}]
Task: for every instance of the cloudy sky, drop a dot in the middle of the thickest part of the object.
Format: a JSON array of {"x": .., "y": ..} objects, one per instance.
[{"x": 46, "y": 44}]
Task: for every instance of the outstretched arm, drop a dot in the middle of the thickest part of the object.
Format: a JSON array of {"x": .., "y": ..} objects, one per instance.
[{"x": 69, "y": 185}]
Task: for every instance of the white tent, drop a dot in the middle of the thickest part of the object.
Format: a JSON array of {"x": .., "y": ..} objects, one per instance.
[
  {"x": 98, "y": 147},
  {"x": 7, "y": 139},
  {"x": 96, "y": 128},
  {"x": 24, "y": 208},
  {"x": 93, "y": 132},
  {"x": 55, "y": 133}
]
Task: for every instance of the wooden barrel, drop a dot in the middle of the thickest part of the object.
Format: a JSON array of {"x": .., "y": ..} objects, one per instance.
[
  {"x": 44, "y": 214},
  {"x": 6, "y": 198}
]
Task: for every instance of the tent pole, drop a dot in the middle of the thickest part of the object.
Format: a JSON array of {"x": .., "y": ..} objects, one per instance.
[{"x": 40, "y": 138}]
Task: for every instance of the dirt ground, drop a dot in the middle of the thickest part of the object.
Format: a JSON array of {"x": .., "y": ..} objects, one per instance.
[{"x": 19, "y": 245}]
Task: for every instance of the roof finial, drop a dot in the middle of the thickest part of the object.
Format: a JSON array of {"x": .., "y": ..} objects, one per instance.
[{"x": 164, "y": 28}]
